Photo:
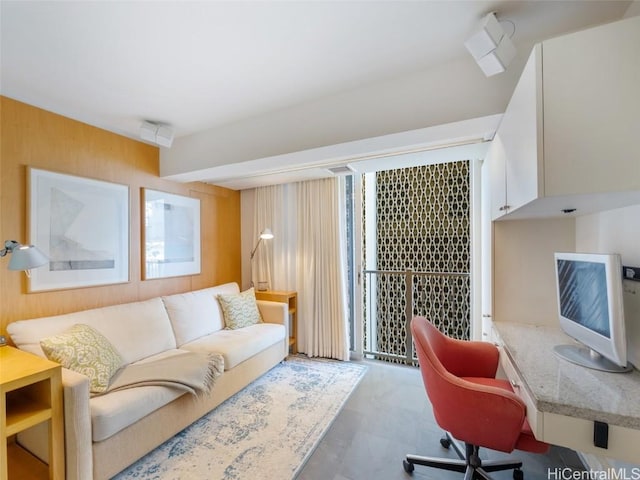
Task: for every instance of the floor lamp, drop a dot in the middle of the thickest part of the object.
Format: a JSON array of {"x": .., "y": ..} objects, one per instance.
[{"x": 266, "y": 234}]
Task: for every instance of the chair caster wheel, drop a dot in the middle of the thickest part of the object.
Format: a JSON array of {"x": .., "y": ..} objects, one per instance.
[
  {"x": 518, "y": 474},
  {"x": 408, "y": 467},
  {"x": 445, "y": 442}
]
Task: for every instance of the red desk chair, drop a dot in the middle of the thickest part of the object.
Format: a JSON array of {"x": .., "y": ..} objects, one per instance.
[{"x": 470, "y": 404}]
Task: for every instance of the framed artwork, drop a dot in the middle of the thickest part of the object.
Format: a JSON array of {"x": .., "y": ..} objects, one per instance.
[
  {"x": 83, "y": 226},
  {"x": 171, "y": 235}
]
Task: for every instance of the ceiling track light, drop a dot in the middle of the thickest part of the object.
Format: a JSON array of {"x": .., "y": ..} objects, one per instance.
[
  {"x": 157, "y": 133},
  {"x": 491, "y": 47}
]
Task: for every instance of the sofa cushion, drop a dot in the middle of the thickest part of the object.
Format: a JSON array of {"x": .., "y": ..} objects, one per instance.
[
  {"x": 117, "y": 410},
  {"x": 240, "y": 309},
  {"x": 137, "y": 330},
  {"x": 195, "y": 314},
  {"x": 84, "y": 350},
  {"x": 238, "y": 345}
]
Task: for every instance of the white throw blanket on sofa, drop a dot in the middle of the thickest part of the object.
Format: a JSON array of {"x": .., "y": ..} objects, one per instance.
[{"x": 190, "y": 371}]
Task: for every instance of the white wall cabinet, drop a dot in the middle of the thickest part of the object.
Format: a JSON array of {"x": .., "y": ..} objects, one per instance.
[
  {"x": 517, "y": 156},
  {"x": 569, "y": 136}
]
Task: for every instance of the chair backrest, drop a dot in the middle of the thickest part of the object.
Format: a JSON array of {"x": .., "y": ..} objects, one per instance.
[{"x": 465, "y": 404}]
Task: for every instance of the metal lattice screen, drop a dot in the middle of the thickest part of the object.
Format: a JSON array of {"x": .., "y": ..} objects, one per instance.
[{"x": 423, "y": 225}]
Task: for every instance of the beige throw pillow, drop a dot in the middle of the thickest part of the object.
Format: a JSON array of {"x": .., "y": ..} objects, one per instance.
[
  {"x": 86, "y": 351},
  {"x": 240, "y": 309}
]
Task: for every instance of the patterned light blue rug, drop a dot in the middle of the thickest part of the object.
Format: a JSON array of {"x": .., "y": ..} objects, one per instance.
[{"x": 264, "y": 432}]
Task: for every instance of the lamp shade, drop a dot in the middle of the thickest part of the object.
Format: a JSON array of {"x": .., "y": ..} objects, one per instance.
[
  {"x": 26, "y": 257},
  {"x": 266, "y": 234}
]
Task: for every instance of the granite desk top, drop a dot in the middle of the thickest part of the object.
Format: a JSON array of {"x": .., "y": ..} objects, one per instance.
[{"x": 560, "y": 387}]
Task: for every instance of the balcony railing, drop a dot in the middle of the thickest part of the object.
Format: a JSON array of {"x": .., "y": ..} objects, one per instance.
[{"x": 393, "y": 298}]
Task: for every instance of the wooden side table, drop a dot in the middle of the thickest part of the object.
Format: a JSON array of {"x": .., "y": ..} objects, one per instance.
[
  {"x": 291, "y": 299},
  {"x": 30, "y": 393}
]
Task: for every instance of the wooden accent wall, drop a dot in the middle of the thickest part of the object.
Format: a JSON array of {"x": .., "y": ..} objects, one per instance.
[{"x": 31, "y": 137}]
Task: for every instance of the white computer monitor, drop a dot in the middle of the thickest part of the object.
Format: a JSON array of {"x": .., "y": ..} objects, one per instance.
[{"x": 590, "y": 306}]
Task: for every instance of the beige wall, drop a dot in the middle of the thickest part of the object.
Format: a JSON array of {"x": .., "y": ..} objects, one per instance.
[
  {"x": 31, "y": 137},
  {"x": 523, "y": 285}
]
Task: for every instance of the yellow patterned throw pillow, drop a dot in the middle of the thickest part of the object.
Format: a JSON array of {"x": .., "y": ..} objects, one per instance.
[
  {"x": 86, "y": 351},
  {"x": 240, "y": 309}
]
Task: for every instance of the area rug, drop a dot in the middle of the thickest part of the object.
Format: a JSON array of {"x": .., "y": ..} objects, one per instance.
[{"x": 264, "y": 432}]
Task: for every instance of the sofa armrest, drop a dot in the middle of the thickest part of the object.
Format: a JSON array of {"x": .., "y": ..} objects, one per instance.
[
  {"x": 77, "y": 425},
  {"x": 274, "y": 312}
]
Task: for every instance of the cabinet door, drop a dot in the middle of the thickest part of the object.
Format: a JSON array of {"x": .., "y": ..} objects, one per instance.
[
  {"x": 521, "y": 135},
  {"x": 592, "y": 110},
  {"x": 496, "y": 167}
]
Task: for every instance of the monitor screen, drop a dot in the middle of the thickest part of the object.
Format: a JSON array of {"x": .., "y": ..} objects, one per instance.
[
  {"x": 583, "y": 294},
  {"x": 591, "y": 310}
]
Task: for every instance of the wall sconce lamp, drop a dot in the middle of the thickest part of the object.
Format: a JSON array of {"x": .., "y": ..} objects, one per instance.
[
  {"x": 266, "y": 234},
  {"x": 491, "y": 47},
  {"x": 23, "y": 257}
]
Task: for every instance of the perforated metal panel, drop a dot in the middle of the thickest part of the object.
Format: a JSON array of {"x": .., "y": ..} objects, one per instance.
[{"x": 422, "y": 222}]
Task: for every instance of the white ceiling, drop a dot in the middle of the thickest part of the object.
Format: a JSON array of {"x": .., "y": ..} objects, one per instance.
[{"x": 204, "y": 65}]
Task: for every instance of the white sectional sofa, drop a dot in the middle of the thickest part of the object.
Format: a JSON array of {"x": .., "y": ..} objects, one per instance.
[{"x": 106, "y": 433}]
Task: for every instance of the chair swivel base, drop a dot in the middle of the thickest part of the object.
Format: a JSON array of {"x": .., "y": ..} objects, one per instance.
[{"x": 470, "y": 463}]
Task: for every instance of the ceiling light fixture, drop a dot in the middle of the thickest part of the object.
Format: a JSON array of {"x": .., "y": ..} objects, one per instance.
[
  {"x": 491, "y": 47},
  {"x": 158, "y": 133}
]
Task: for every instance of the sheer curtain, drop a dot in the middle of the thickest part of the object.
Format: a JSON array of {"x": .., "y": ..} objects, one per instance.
[
  {"x": 275, "y": 263},
  {"x": 269, "y": 200},
  {"x": 308, "y": 255}
]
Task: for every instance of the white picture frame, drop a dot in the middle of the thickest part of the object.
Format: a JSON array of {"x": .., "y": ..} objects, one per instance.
[
  {"x": 171, "y": 235},
  {"x": 82, "y": 225}
]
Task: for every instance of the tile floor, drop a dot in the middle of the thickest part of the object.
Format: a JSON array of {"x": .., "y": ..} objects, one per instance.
[{"x": 388, "y": 416}]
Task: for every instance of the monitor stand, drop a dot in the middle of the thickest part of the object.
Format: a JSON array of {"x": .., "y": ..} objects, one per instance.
[{"x": 589, "y": 358}]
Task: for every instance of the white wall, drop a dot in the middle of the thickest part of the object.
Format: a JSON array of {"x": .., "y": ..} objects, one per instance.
[
  {"x": 613, "y": 231},
  {"x": 617, "y": 231},
  {"x": 455, "y": 92}
]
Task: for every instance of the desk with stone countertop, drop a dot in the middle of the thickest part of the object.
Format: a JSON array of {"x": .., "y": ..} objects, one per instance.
[{"x": 564, "y": 400}]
